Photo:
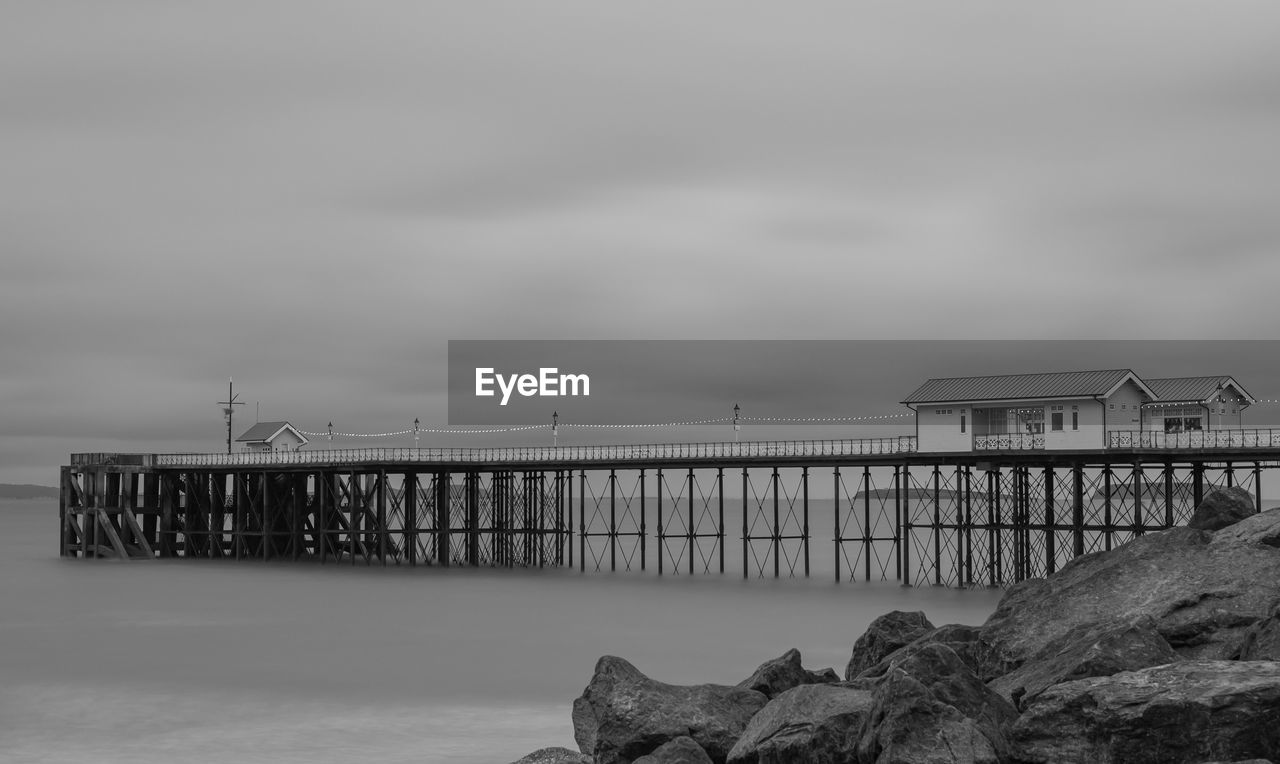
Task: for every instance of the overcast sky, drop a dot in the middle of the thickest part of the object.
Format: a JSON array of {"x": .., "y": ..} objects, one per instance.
[{"x": 313, "y": 197}]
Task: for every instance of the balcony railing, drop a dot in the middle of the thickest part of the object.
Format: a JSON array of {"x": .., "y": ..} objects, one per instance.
[
  {"x": 1194, "y": 439},
  {"x": 525, "y": 454},
  {"x": 1017, "y": 441}
]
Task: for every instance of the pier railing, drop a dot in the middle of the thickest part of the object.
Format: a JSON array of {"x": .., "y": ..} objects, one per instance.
[
  {"x": 651, "y": 452},
  {"x": 1194, "y": 439},
  {"x": 1008, "y": 442},
  {"x": 616, "y": 453}
]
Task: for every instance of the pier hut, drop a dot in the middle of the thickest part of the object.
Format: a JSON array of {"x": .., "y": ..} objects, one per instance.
[
  {"x": 1071, "y": 410},
  {"x": 272, "y": 436},
  {"x": 1188, "y": 404}
]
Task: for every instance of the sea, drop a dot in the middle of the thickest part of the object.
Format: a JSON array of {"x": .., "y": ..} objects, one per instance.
[{"x": 225, "y": 661}]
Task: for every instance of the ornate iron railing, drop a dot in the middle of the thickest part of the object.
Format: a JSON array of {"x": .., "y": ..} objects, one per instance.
[
  {"x": 1017, "y": 441},
  {"x": 1194, "y": 439},
  {"x": 533, "y": 454},
  {"x": 906, "y": 444}
]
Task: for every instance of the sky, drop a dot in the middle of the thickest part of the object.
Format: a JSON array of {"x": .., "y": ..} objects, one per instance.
[{"x": 315, "y": 197}]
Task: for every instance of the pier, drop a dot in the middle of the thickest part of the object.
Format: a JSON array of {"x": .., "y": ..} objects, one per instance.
[{"x": 884, "y": 510}]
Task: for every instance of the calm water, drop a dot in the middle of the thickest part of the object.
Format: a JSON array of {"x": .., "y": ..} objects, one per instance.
[{"x": 251, "y": 662}]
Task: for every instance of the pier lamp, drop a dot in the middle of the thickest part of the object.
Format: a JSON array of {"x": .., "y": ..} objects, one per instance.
[
  {"x": 226, "y": 415},
  {"x": 331, "y": 435},
  {"x": 415, "y": 432},
  {"x": 228, "y": 407},
  {"x": 736, "y": 426},
  {"x": 555, "y": 429}
]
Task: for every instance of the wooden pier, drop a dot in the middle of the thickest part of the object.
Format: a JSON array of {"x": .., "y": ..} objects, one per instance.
[{"x": 883, "y": 510}]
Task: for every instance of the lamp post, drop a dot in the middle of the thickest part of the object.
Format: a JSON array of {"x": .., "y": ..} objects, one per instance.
[
  {"x": 415, "y": 433},
  {"x": 331, "y": 436},
  {"x": 555, "y": 429},
  {"x": 736, "y": 427},
  {"x": 228, "y": 407}
]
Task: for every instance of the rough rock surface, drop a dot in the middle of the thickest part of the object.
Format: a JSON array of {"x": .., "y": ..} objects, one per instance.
[
  {"x": 1087, "y": 651},
  {"x": 555, "y": 755},
  {"x": 1192, "y": 711},
  {"x": 1262, "y": 529},
  {"x": 781, "y": 674},
  {"x": 1203, "y": 590},
  {"x": 682, "y": 750},
  {"x": 909, "y": 725},
  {"x": 1262, "y": 641},
  {"x": 623, "y": 714},
  {"x": 949, "y": 681},
  {"x": 963, "y": 640},
  {"x": 811, "y": 723},
  {"x": 1221, "y": 507},
  {"x": 885, "y": 634}
]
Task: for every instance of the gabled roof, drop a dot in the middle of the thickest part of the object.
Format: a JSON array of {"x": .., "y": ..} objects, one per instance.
[
  {"x": 1198, "y": 389},
  {"x": 1061, "y": 384},
  {"x": 263, "y": 432}
]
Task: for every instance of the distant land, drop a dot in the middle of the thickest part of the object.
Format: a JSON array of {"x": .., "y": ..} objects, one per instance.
[{"x": 27, "y": 491}]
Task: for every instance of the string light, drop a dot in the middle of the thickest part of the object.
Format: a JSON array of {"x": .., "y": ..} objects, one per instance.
[
  {"x": 824, "y": 419},
  {"x": 587, "y": 426},
  {"x": 657, "y": 424},
  {"x": 686, "y": 423},
  {"x": 423, "y": 429}
]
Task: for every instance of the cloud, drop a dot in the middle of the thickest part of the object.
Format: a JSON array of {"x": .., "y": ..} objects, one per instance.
[{"x": 315, "y": 197}]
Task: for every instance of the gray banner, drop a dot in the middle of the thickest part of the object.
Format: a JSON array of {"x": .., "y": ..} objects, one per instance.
[{"x": 523, "y": 382}]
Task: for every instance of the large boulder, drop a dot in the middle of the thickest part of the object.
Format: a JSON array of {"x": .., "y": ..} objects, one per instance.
[
  {"x": 885, "y": 634},
  {"x": 811, "y": 723},
  {"x": 929, "y": 705},
  {"x": 964, "y": 641},
  {"x": 1192, "y": 711},
  {"x": 1088, "y": 650},
  {"x": 682, "y": 750},
  {"x": 1262, "y": 641},
  {"x": 910, "y": 725},
  {"x": 781, "y": 674},
  {"x": 1262, "y": 529},
  {"x": 951, "y": 682},
  {"x": 555, "y": 755},
  {"x": 623, "y": 714},
  {"x": 1203, "y": 591},
  {"x": 1222, "y": 507}
]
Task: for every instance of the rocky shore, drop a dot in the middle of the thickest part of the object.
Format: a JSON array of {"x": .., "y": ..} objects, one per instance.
[{"x": 1166, "y": 649}]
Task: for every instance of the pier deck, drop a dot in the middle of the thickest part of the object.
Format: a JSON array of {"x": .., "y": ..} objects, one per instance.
[{"x": 887, "y": 511}]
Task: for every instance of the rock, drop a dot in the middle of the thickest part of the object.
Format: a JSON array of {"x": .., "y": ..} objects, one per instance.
[
  {"x": 951, "y": 682},
  {"x": 1262, "y": 641},
  {"x": 682, "y": 750},
  {"x": 623, "y": 714},
  {"x": 963, "y": 640},
  {"x": 555, "y": 755},
  {"x": 781, "y": 674},
  {"x": 1192, "y": 711},
  {"x": 909, "y": 725},
  {"x": 1262, "y": 529},
  {"x": 1088, "y": 650},
  {"x": 885, "y": 634},
  {"x": 1222, "y": 507},
  {"x": 1203, "y": 590},
  {"x": 811, "y": 723}
]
